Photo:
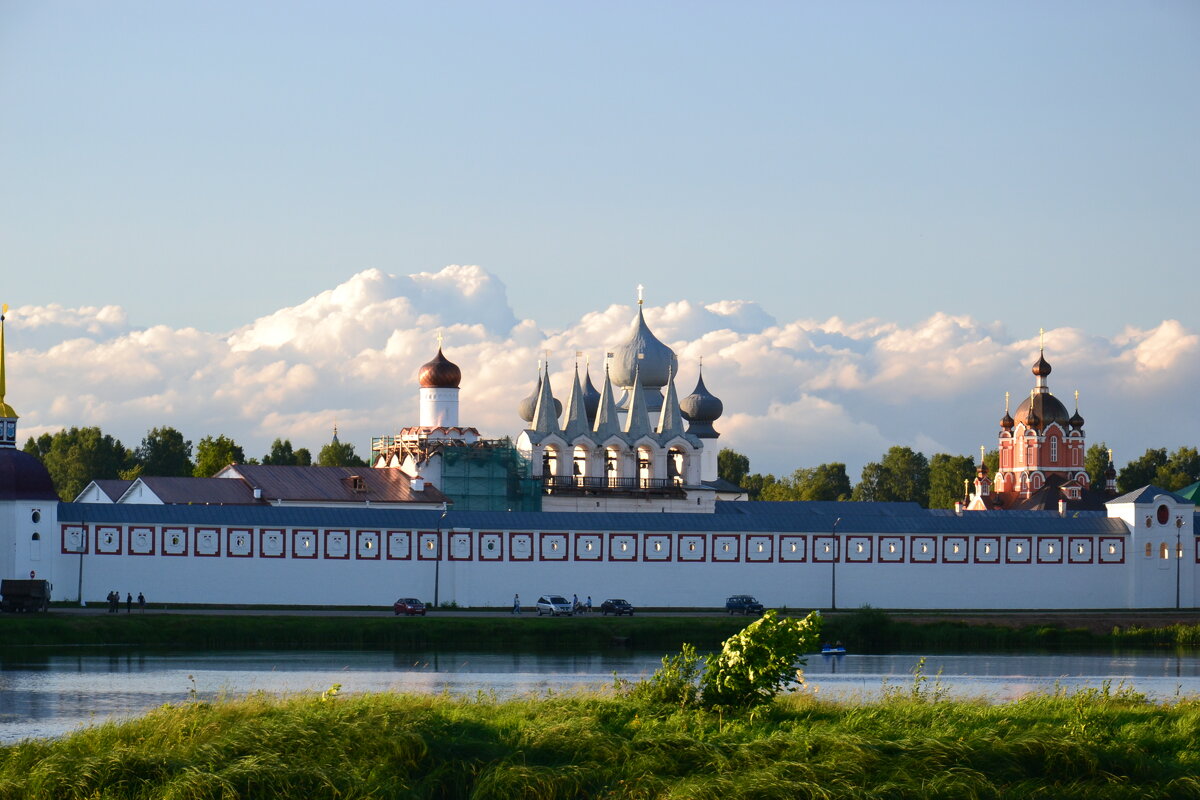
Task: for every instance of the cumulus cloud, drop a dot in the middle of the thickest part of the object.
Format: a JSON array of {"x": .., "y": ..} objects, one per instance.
[{"x": 796, "y": 392}]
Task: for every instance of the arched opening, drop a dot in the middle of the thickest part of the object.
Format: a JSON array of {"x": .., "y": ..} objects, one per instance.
[
  {"x": 579, "y": 465},
  {"x": 550, "y": 461},
  {"x": 645, "y": 466},
  {"x": 612, "y": 465},
  {"x": 676, "y": 466}
]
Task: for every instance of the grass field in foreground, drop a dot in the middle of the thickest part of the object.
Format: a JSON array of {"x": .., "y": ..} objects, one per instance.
[{"x": 913, "y": 744}]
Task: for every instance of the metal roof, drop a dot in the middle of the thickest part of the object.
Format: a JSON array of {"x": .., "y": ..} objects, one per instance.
[
  {"x": 865, "y": 518},
  {"x": 1147, "y": 494}
]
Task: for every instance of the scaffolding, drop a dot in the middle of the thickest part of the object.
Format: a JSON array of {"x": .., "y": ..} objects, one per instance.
[{"x": 489, "y": 475}]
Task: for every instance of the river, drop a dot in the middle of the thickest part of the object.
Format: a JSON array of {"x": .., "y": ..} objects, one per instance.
[{"x": 45, "y": 693}]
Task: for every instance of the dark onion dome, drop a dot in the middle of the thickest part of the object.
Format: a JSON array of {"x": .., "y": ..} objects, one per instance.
[
  {"x": 1007, "y": 422},
  {"x": 656, "y": 366},
  {"x": 1076, "y": 420},
  {"x": 24, "y": 477},
  {"x": 1041, "y": 367},
  {"x": 440, "y": 373},
  {"x": 591, "y": 399},
  {"x": 528, "y": 405},
  {"x": 1046, "y": 410},
  {"x": 701, "y": 408}
]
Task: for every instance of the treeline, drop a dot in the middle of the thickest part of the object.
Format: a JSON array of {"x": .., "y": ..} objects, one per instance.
[
  {"x": 905, "y": 475},
  {"x": 76, "y": 456}
]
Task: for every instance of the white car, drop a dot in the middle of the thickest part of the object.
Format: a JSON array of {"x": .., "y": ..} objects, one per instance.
[{"x": 555, "y": 605}]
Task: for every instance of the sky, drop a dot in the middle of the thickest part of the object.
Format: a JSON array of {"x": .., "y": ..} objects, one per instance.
[{"x": 252, "y": 218}]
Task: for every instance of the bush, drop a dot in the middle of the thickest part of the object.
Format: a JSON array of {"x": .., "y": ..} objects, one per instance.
[
  {"x": 756, "y": 664},
  {"x": 674, "y": 683}
]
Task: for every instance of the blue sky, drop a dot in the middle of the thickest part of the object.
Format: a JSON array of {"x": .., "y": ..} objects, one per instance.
[
  {"x": 896, "y": 195},
  {"x": 1035, "y": 164}
]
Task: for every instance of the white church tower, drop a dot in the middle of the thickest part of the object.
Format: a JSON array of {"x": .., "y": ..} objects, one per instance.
[{"x": 28, "y": 502}]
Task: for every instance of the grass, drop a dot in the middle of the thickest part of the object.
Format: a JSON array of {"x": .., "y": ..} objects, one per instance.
[
  {"x": 912, "y": 744},
  {"x": 864, "y": 630}
]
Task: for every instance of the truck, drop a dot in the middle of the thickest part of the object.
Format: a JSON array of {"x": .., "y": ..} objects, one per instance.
[{"x": 24, "y": 595}]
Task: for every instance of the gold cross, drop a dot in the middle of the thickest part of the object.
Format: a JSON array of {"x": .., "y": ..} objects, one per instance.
[{"x": 640, "y": 289}]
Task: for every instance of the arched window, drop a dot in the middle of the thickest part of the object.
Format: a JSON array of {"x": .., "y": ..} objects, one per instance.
[
  {"x": 1164, "y": 552},
  {"x": 1054, "y": 450}
]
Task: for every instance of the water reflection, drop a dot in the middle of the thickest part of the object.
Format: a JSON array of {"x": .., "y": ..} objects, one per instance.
[{"x": 47, "y": 693}]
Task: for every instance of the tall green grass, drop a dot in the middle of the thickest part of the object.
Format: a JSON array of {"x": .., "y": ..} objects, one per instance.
[{"x": 1096, "y": 744}]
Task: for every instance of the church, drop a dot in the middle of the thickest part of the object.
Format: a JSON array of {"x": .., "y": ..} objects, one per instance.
[{"x": 609, "y": 494}]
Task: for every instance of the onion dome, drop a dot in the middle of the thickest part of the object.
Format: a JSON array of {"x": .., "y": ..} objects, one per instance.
[
  {"x": 1076, "y": 420},
  {"x": 1042, "y": 410},
  {"x": 656, "y": 364},
  {"x": 528, "y": 405},
  {"x": 440, "y": 373},
  {"x": 591, "y": 398},
  {"x": 1041, "y": 367},
  {"x": 1007, "y": 422},
  {"x": 24, "y": 477},
  {"x": 701, "y": 408}
]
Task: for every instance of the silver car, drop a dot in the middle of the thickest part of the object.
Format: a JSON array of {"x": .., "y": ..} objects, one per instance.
[{"x": 555, "y": 605}]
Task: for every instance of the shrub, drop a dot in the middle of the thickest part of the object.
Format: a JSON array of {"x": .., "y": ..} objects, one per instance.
[
  {"x": 674, "y": 683},
  {"x": 756, "y": 664}
]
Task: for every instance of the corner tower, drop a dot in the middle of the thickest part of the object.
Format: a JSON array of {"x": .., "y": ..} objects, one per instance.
[{"x": 28, "y": 502}]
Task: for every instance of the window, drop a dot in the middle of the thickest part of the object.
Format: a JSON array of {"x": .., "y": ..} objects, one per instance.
[{"x": 1054, "y": 451}]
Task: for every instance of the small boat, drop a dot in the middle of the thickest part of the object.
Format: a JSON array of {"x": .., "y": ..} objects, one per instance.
[{"x": 833, "y": 650}]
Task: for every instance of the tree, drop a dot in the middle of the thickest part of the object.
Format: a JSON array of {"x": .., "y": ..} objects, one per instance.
[
  {"x": 213, "y": 455},
  {"x": 757, "y": 485},
  {"x": 902, "y": 476},
  {"x": 303, "y": 457},
  {"x": 164, "y": 452},
  {"x": 822, "y": 482},
  {"x": 1095, "y": 464},
  {"x": 1182, "y": 469},
  {"x": 339, "y": 454},
  {"x": 78, "y": 456},
  {"x": 946, "y": 476},
  {"x": 281, "y": 454},
  {"x": 1141, "y": 471},
  {"x": 732, "y": 466}
]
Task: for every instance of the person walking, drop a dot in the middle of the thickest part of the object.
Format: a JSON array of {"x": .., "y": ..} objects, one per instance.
[
  {"x": 128, "y": 602},
  {"x": 589, "y": 604},
  {"x": 516, "y": 604},
  {"x": 141, "y": 602}
]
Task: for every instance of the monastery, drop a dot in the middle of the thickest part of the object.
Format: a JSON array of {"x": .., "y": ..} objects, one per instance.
[{"x": 613, "y": 493}]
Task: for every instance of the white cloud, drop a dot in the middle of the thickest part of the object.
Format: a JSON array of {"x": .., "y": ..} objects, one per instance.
[{"x": 796, "y": 392}]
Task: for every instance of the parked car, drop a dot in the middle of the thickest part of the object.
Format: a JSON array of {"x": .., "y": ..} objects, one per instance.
[
  {"x": 617, "y": 607},
  {"x": 409, "y": 606},
  {"x": 555, "y": 605},
  {"x": 743, "y": 604}
]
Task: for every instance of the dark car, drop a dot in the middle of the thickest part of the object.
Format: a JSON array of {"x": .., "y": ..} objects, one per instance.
[
  {"x": 743, "y": 604},
  {"x": 617, "y": 607},
  {"x": 409, "y": 606}
]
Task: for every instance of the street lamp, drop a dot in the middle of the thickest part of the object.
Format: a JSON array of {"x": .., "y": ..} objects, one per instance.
[
  {"x": 1178, "y": 556},
  {"x": 83, "y": 543},
  {"x": 833, "y": 567},
  {"x": 437, "y": 559}
]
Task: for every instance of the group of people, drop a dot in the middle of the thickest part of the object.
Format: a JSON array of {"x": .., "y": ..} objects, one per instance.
[
  {"x": 114, "y": 602},
  {"x": 577, "y": 607}
]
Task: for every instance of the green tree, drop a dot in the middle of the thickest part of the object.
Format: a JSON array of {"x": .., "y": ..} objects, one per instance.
[
  {"x": 1182, "y": 469},
  {"x": 282, "y": 454},
  {"x": 1141, "y": 471},
  {"x": 946, "y": 476},
  {"x": 822, "y": 482},
  {"x": 164, "y": 452},
  {"x": 756, "y": 485},
  {"x": 732, "y": 466},
  {"x": 1095, "y": 464},
  {"x": 214, "y": 454},
  {"x": 339, "y": 454},
  {"x": 77, "y": 456},
  {"x": 303, "y": 457},
  {"x": 902, "y": 476}
]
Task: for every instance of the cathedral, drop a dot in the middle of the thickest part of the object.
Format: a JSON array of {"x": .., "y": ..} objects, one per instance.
[{"x": 1042, "y": 452}]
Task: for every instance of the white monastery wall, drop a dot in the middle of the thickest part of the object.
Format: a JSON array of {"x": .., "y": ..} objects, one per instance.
[{"x": 273, "y": 565}]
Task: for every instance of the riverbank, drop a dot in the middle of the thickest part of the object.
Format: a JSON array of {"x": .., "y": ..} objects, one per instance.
[
  {"x": 913, "y": 744},
  {"x": 863, "y": 630}
]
